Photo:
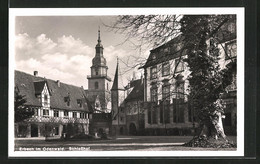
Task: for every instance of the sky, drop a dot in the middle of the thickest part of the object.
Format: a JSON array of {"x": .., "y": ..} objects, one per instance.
[{"x": 62, "y": 47}]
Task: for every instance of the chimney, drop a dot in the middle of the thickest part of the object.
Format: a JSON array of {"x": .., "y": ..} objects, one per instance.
[
  {"x": 35, "y": 73},
  {"x": 58, "y": 83}
]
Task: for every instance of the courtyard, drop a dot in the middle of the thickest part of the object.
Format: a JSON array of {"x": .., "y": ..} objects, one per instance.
[{"x": 119, "y": 143}]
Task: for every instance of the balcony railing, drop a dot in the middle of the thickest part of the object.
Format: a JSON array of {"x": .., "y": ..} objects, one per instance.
[{"x": 98, "y": 76}]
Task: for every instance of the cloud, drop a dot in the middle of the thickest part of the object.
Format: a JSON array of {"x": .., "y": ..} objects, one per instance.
[{"x": 67, "y": 59}]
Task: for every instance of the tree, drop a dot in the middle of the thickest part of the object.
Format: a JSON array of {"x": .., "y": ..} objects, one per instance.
[
  {"x": 200, "y": 44},
  {"x": 21, "y": 111},
  {"x": 207, "y": 81}
]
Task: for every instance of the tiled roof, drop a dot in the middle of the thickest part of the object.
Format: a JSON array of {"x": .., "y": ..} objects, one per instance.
[
  {"x": 158, "y": 55},
  {"x": 30, "y": 86},
  {"x": 137, "y": 92}
]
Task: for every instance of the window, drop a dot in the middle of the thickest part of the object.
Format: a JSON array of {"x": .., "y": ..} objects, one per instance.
[
  {"x": 96, "y": 72},
  {"x": 178, "y": 111},
  {"x": 74, "y": 114},
  {"x": 45, "y": 112},
  {"x": 166, "y": 92},
  {"x": 96, "y": 85},
  {"x": 153, "y": 72},
  {"x": 161, "y": 113},
  {"x": 179, "y": 90},
  {"x": 165, "y": 69},
  {"x": 66, "y": 113},
  {"x": 167, "y": 112},
  {"x": 149, "y": 115},
  {"x": 45, "y": 99},
  {"x": 83, "y": 115},
  {"x": 79, "y": 102},
  {"x": 56, "y": 113},
  {"x": 180, "y": 65},
  {"x": 154, "y": 114},
  {"x": 154, "y": 94},
  {"x": 67, "y": 100},
  {"x": 231, "y": 50}
]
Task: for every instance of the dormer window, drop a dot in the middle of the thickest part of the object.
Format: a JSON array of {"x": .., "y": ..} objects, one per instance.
[
  {"x": 79, "y": 102},
  {"x": 67, "y": 100}
]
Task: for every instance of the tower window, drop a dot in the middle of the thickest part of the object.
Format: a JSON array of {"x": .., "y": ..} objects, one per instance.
[
  {"x": 96, "y": 72},
  {"x": 96, "y": 85}
]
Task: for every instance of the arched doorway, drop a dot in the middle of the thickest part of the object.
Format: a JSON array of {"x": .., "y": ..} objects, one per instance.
[{"x": 132, "y": 129}]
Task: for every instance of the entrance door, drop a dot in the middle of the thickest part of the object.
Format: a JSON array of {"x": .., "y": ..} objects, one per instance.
[
  {"x": 34, "y": 130},
  {"x": 132, "y": 129}
]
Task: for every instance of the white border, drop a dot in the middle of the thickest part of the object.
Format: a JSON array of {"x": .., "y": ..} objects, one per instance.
[{"x": 13, "y": 12}]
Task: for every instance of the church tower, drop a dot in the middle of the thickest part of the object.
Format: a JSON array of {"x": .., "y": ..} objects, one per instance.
[{"x": 99, "y": 81}]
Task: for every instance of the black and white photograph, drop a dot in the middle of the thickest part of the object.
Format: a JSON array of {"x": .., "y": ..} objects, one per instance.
[{"x": 126, "y": 82}]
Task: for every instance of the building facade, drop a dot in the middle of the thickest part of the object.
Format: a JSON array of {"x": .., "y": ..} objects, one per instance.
[
  {"x": 166, "y": 86},
  {"x": 165, "y": 91},
  {"x": 228, "y": 50},
  {"x": 133, "y": 108},
  {"x": 59, "y": 108}
]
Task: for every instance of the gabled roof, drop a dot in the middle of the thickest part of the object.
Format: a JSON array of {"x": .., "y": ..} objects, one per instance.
[
  {"x": 30, "y": 86},
  {"x": 137, "y": 92},
  {"x": 158, "y": 55}
]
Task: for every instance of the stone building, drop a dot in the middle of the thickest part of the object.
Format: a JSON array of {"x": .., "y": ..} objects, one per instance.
[
  {"x": 166, "y": 86},
  {"x": 228, "y": 40},
  {"x": 56, "y": 106},
  {"x": 133, "y": 108},
  {"x": 99, "y": 82},
  {"x": 165, "y": 91}
]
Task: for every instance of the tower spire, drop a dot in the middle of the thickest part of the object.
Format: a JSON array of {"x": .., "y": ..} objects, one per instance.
[
  {"x": 115, "y": 83},
  {"x": 99, "y": 40}
]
